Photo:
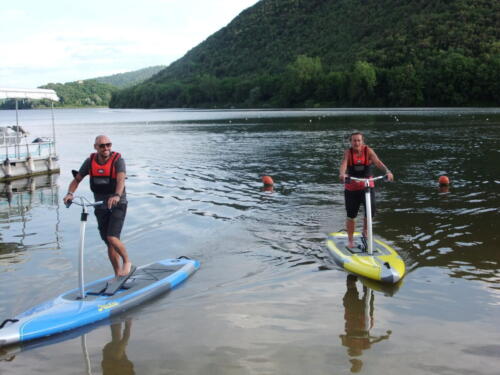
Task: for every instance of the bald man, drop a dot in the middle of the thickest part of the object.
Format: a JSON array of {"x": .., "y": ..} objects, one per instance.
[{"x": 107, "y": 181}]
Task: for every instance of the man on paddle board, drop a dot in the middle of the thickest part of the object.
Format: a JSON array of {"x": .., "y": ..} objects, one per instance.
[
  {"x": 358, "y": 161},
  {"x": 107, "y": 181}
]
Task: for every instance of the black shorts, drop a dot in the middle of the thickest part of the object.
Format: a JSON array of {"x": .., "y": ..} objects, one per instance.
[
  {"x": 353, "y": 200},
  {"x": 110, "y": 222}
]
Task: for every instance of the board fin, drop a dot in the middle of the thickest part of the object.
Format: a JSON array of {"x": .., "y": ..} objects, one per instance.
[{"x": 117, "y": 283}]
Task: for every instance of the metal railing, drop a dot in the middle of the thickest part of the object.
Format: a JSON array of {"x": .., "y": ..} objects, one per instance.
[{"x": 16, "y": 147}]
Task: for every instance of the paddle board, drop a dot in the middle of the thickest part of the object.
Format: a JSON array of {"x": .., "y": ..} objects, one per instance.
[
  {"x": 383, "y": 265},
  {"x": 69, "y": 311}
]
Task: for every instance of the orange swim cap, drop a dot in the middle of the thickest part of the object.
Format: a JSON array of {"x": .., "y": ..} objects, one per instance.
[
  {"x": 267, "y": 180},
  {"x": 444, "y": 180}
]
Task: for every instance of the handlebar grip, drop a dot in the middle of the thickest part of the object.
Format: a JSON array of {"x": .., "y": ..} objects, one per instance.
[
  {"x": 68, "y": 203},
  {"x": 347, "y": 180}
]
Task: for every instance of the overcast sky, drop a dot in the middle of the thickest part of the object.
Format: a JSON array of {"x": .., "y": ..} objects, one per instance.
[{"x": 64, "y": 41}]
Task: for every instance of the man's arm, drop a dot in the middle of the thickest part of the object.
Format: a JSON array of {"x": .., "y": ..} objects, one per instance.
[
  {"x": 120, "y": 187},
  {"x": 120, "y": 183},
  {"x": 378, "y": 163},
  {"x": 72, "y": 188},
  {"x": 84, "y": 170}
]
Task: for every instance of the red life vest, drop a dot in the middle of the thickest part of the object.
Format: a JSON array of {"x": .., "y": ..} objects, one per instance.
[
  {"x": 103, "y": 176},
  {"x": 359, "y": 166}
]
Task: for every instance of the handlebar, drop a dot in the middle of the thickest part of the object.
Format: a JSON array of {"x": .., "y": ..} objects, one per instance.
[
  {"x": 366, "y": 180},
  {"x": 84, "y": 202}
]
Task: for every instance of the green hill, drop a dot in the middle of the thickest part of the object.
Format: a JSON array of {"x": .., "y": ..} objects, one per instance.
[
  {"x": 122, "y": 80},
  {"x": 94, "y": 92},
  {"x": 88, "y": 93},
  {"x": 291, "y": 53}
]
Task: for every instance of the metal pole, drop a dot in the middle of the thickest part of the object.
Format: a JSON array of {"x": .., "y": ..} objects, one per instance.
[
  {"x": 17, "y": 114},
  {"x": 81, "y": 281},
  {"x": 366, "y": 302},
  {"x": 53, "y": 127},
  {"x": 16, "y": 147},
  {"x": 6, "y": 146},
  {"x": 27, "y": 147},
  {"x": 369, "y": 216},
  {"x": 86, "y": 356}
]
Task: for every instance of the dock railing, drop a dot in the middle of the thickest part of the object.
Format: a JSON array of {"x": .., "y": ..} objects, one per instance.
[{"x": 15, "y": 147}]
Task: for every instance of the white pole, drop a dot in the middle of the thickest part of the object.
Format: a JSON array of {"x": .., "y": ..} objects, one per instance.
[
  {"x": 82, "y": 245},
  {"x": 17, "y": 147},
  {"x": 17, "y": 113},
  {"x": 6, "y": 147},
  {"x": 367, "y": 301},
  {"x": 86, "y": 356},
  {"x": 53, "y": 128},
  {"x": 369, "y": 216}
]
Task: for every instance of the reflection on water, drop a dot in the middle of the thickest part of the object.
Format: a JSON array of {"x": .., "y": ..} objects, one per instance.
[
  {"x": 28, "y": 192},
  {"x": 359, "y": 320},
  {"x": 114, "y": 356},
  {"x": 18, "y": 198},
  {"x": 444, "y": 189},
  {"x": 6, "y": 355}
]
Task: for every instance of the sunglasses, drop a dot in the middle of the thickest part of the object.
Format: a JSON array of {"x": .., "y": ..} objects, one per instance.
[{"x": 103, "y": 145}]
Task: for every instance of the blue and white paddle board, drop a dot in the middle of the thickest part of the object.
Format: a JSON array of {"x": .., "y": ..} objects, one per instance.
[{"x": 68, "y": 311}]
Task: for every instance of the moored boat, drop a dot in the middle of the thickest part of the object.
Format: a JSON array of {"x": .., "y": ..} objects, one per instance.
[{"x": 20, "y": 157}]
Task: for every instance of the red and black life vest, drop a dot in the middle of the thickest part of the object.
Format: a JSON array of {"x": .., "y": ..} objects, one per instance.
[
  {"x": 358, "y": 166},
  {"x": 103, "y": 176}
]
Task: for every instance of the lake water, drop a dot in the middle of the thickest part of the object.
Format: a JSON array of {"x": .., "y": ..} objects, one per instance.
[{"x": 266, "y": 299}]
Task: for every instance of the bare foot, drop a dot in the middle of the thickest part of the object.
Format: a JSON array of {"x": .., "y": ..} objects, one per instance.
[
  {"x": 125, "y": 270},
  {"x": 350, "y": 244}
]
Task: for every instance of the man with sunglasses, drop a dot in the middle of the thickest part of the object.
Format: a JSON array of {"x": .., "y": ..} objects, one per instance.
[{"x": 107, "y": 181}]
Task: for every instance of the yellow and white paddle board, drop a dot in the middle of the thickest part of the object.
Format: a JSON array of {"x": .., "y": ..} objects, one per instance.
[{"x": 384, "y": 264}]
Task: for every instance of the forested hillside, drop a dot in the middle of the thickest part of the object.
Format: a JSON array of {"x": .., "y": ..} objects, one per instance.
[
  {"x": 88, "y": 93},
  {"x": 293, "y": 53},
  {"x": 122, "y": 80}
]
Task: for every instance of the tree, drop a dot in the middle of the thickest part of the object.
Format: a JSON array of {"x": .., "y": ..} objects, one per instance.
[
  {"x": 362, "y": 82},
  {"x": 302, "y": 78},
  {"x": 404, "y": 86}
]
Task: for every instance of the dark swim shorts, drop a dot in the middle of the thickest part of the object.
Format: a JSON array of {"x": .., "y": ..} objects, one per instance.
[
  {"x": 110, "y": 222},
  {"x": 353, "y": 200}
]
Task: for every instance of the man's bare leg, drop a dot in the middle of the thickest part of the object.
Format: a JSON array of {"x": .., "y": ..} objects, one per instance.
[
  {"x": 121, "y": 252},
  {"x": 115, "y": 259}
]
